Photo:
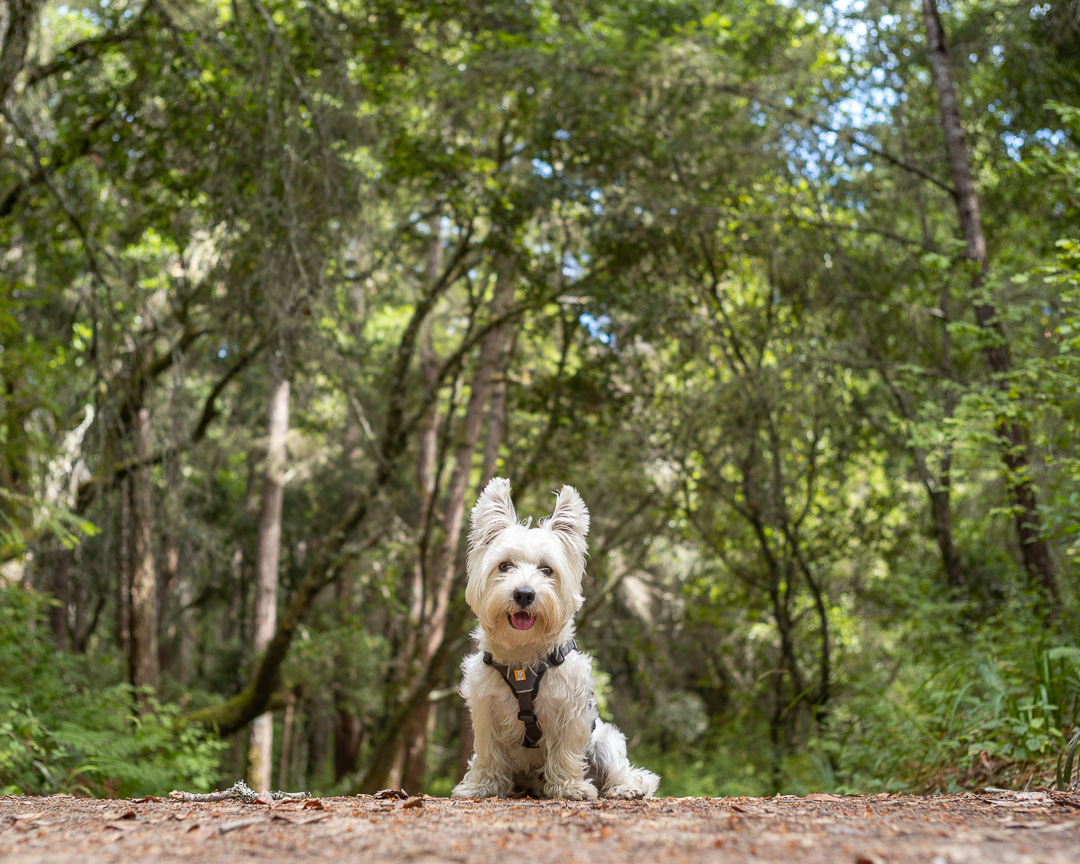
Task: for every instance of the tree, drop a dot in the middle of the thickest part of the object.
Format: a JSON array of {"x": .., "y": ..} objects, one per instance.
[
  {"x": 1012, "y": 430},
  {"x": 266, "y": 562},
  {"x": 145, "y": 669}
]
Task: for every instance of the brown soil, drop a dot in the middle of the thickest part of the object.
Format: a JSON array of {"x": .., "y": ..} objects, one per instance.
[{"x": 1001, "y": 827}]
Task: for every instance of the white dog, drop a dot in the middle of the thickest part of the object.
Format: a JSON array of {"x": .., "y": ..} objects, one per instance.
[{"x": 524, "y": 584}]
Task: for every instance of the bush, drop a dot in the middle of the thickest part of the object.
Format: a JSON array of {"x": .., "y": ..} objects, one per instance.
[
  {"x": 62, "y": 731},
  {"x": 991, "y": 709}
]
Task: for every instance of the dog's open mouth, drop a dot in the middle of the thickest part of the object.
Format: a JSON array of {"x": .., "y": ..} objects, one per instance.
[{"x": 522, "y": 620}]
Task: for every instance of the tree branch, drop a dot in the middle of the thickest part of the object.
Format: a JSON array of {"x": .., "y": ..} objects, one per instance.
[
  {"x": 88, "y": 488},
  {"x": 88, "y": 49}
]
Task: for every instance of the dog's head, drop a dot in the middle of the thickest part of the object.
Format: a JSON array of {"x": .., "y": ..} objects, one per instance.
[{"x": 524, "y": 583}]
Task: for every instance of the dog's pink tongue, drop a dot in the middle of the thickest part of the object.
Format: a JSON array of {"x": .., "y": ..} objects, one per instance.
[{"x": 522, "y": 620}]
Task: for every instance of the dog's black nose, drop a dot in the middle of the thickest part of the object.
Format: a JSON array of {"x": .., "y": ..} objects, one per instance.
[{"x": 524, "y": 596}]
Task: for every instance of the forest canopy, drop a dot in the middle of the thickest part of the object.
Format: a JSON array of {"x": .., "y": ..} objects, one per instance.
[{"x": 789, "y": 291}]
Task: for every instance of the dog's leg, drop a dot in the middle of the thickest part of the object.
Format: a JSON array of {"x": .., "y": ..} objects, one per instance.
[
  {"x": 564, "y": 769},
  {"x": 491, "y": 773},
  {"x": 611, "y": 768}
]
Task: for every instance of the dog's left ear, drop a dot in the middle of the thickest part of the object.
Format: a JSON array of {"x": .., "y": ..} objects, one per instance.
[{"x": 570, "y": 520}]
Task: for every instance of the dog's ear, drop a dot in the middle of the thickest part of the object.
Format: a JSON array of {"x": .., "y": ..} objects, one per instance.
[
  {"x": 493, "y": 513},
  {"x": 570, "y": 519}
]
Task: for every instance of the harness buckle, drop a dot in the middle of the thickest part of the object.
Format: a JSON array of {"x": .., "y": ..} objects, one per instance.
[{"x": 513, "y": 677}]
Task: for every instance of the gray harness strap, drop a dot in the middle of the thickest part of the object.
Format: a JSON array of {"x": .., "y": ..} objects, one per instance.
[{"x": 524, "y": 683}]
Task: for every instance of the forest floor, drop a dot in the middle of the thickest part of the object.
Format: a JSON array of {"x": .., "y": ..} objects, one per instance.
[{"x": 1004, "y": 827}]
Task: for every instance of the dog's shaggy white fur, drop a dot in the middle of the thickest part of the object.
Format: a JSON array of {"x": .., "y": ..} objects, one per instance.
[{"x": 524, "y": 584}]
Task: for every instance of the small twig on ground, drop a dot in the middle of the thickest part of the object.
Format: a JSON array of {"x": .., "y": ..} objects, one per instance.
[
  {"x": 239, "y": 791},
  {"x": 239, "y": 823},
  {"x": 1064, "y": 799}
]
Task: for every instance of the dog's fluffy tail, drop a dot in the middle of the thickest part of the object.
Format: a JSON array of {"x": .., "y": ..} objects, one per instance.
[{"x": 610, "y": 768}]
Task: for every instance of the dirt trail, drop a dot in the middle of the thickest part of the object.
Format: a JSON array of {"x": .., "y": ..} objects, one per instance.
[{"x": 1009, "y": 828}]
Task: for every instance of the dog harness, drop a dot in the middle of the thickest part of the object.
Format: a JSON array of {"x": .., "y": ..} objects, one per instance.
[{"x": 524, "y": 683}]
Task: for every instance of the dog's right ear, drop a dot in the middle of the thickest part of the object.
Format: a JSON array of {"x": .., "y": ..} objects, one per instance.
[{"x": 493, "y": 513}]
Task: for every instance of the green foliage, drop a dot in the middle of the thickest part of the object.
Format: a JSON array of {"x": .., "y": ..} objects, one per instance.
[
  {"x": 1004, "y": 710},
  {"x": 997, "y": 703},
  {"x": 64, "y": 730},
  {"x": 718, "y": 767},
  {"x": 23, "y": 518}
]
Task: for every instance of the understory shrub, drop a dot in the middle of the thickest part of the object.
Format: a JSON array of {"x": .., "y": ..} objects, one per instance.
[
  {"x": 62, "y": 729},
  {"x": 995, "y": 708}
]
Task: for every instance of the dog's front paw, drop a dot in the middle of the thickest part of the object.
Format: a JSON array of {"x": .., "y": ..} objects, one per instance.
[
  {"x": 473, "y": 789},
  {"x": 574, "y": 790}
]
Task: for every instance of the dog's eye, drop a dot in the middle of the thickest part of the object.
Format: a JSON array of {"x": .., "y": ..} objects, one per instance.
[
  {"x": 505, "y": 566},
  {"x": 547, "y": 571}
]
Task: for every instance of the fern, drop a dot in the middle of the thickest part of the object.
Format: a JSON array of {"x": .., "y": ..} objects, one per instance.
[{"x": 62, "y": 732}]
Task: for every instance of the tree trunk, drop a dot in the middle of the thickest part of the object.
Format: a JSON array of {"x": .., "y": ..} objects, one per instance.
[
  {"x": 286, "y": 744},
  {"x": 240, "y": 569},
  {"x": 466, "y": 739},
  {"x": 169, "y": 625},
  {"x": 407, "y": 766},
  {"x": 59, "y": 587},
  {"x": 123, "y": 570},
  {"x": 80, "y": 599},
  {"x": 144, "y": 595},
  {"x": 496, "y": 422},
  {"x": 493, "y": 352},
  {"x": 413, "y": 762},
  {"x": 346, "y": 743},
  {"x": 17, "y": 19},
  {"x": 496, "y": 432},
  {"x": 183, "y": 637},
  {"x": 169, "y": 634},
  {"x": 346, "y": 723},
  {"x": 266, "y": 564},
  {"x": 950, "y": 558},
  {"x": 427, "y": 452},
  {"x": 1013, "y": 434},
  {"x": 318, "y": 734}
]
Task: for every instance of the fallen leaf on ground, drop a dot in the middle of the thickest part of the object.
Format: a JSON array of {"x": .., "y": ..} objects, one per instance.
[
  {"x": 314, "y": 804},
  {"x": 410, "y": 803},
  {"x": 383, "y": 794}
]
